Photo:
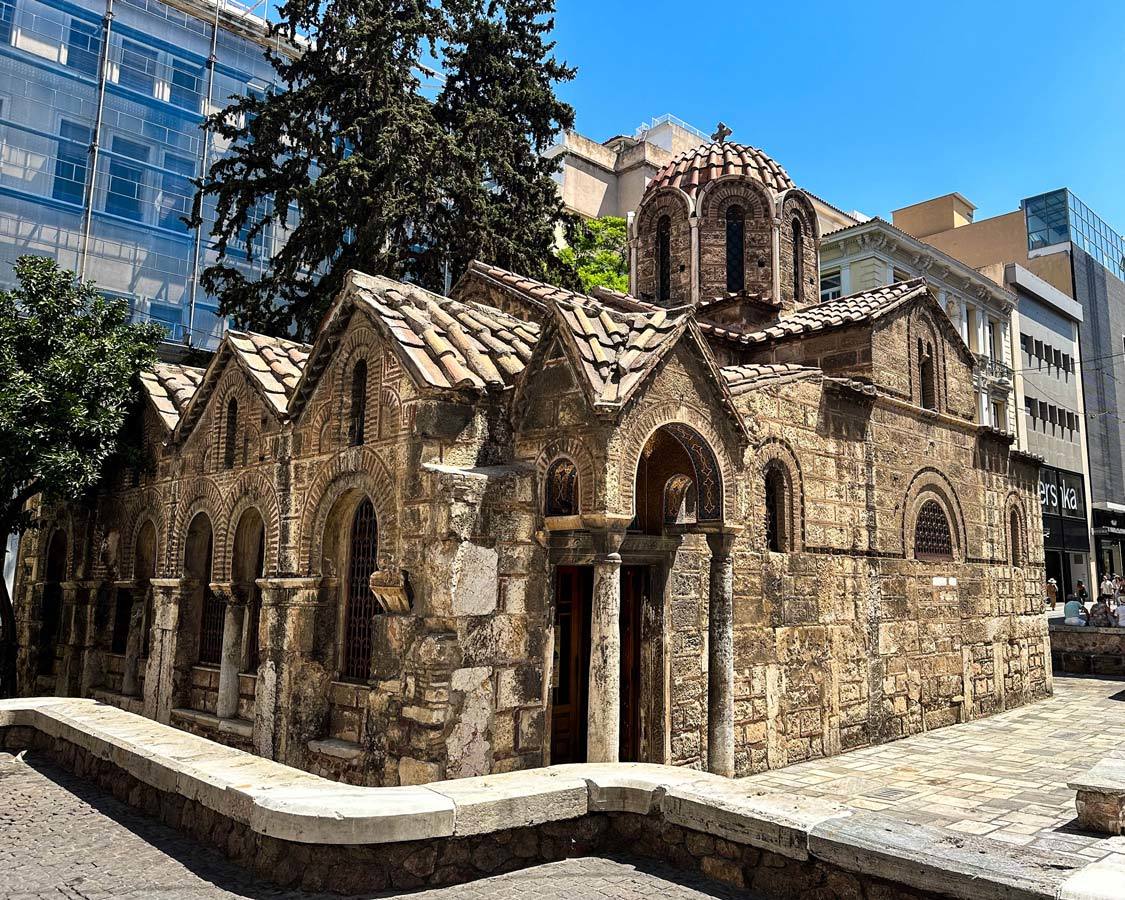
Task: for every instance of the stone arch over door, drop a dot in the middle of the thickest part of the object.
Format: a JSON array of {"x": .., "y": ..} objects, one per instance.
[
  {"x": 253, "y": 490},
  {"x": 201, "y": 495},
  {"x": 716, "y": 484},
  {"x": 930, "y": 485}
]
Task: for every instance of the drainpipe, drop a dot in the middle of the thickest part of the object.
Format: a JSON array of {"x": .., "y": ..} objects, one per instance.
[{"x": 95, "y": 144}]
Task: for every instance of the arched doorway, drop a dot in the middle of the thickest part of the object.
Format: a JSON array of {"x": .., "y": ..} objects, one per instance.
[
  {"x": 50, "y": 619},
  {"x": 202, "y": 612},
  {"x": 248, "y": 564}
]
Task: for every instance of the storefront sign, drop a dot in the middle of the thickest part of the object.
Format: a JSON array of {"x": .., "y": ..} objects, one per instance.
[{"x": 1062, "y": 493}]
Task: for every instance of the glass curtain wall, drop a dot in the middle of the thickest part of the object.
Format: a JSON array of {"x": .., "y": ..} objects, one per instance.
[{"x": 113, "y": 209}]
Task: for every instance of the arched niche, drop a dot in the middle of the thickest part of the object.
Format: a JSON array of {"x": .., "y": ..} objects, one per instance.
[{"x": 675, "y": 465}]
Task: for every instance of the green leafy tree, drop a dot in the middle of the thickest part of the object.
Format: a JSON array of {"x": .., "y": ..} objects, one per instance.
[
  {"x": 68, "y": 364},
  {"x": 598, "y": 251},
  {"x": 390, "y": 174}
]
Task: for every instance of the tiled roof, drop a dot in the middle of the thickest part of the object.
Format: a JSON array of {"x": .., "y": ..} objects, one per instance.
[
  {"x": 538, "y": 291},
  {"x": 276, "y": 364},
  {"x": 170, "y": 387},
  {"x": 833, "y": 314},
  {"x": 694, "y": 168},
  {"x": 449, "y": 344},
  {"x": 741, "y": 379},
  {"x": 616, "y": 349}
]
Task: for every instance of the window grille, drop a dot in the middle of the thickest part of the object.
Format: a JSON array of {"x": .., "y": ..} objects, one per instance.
[
  {"x": 933, "y": 541},
  {"x": 358, "y": 412},
  {"x": 736, "y": 253},
  {"x": 360, "y": 602},
  {"x": 562, "y": 489},
  {"x": 777, "y": 538},
  {"x": 1014, "y": 536},
  {"x": 664, "y": 259},
  {"x": 211, "y": 628}
]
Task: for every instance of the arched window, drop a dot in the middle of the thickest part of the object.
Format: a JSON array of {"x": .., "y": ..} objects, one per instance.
[
  {"x": 798, "y": 260},
  {"x": 933, "y": 541},
  {"x": 736, "y": 249},
  {"x": 230, "y": 446},
  {"x": 926, "y": 380},
  {"x": 1015, "y": 537},
  {"x": 562, "y": 489},
  {"x": 664, "y": 259},
  {"x": 778, "y": 538},
  {"x": 360, "y": 607},
  {"x": 359, "y": 403}
]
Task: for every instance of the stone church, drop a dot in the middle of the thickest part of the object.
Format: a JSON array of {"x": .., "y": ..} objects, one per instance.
[{"x": 713, "y": 522}]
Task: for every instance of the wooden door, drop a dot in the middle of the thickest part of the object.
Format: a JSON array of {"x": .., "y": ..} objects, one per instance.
[
  {"x": 570, "y": 674},
  {"x": 634, "y": 594}
]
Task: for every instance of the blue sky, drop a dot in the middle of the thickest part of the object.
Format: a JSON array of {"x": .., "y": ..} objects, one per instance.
[{"x": 873, "y": 105}]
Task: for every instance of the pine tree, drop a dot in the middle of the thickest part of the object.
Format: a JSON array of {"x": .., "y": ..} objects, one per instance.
[{"x": 386, "y": 179}]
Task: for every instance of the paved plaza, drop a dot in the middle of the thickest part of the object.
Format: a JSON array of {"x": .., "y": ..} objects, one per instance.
[
  {"x": 64, "y": 839},
  {"x": 1004, "y": 776}
]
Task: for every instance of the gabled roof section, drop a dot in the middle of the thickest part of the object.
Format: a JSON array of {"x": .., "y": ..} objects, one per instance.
[
  {"x": 856, "y": 309},
  {"x": 751, "y": 377},
  {"x": 536, "y": 294},
  {"x": 616, "y": 350},
  {"x": 444, "y": 344},
  {"x": 272, "y": 365},
  {"x": 170, "y": 388}
]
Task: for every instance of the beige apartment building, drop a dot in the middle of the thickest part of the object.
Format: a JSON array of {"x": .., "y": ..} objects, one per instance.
[
  {"x": 609, "y": 178},
  {"x": 1066, "y": 266}
]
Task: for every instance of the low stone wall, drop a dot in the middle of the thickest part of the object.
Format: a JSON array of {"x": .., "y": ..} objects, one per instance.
[
  {"x": 1081, "y": 650},
  {"x": 296, "y": 829},
  {"x": 1100, "y": 796}
]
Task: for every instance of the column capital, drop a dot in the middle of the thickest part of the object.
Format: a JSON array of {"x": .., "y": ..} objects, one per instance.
[{"x": 721, "y": 543}]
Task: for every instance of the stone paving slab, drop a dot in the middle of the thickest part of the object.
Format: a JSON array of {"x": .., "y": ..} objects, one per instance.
[
  {"x": 1005, "y": 776},
  {"x": 64, "y": 839}
]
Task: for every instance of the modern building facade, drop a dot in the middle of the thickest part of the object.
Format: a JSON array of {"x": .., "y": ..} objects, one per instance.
[
  {"x": 101, "y": 107},
  {"x": 874, "y": 253},
  {"x": 1051, "y": 405},
  {"x": 1058, "y": 238}
]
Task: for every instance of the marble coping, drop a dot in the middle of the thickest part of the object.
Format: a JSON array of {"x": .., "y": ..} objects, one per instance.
[{"x": 289, "y": 804}]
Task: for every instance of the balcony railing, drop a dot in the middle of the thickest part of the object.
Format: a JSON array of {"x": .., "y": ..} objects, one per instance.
[{"x": 993, "y": 368}]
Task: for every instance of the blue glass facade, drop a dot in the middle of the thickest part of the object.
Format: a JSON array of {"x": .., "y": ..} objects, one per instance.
[
  {"x": 1059, "y": 217},
  {"x": 95, "y": 171}
]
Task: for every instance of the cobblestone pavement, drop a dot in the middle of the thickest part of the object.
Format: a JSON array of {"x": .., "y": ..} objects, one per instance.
[
  {"x": 1004, "y": 776},
  {"x": 62, "y": 838}
]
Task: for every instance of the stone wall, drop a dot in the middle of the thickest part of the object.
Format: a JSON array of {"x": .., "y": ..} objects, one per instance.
[{"x": 1082, "y": 650}]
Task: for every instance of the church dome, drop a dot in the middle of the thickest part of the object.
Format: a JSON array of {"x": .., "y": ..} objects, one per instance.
[{"x": 692, "y": 169}]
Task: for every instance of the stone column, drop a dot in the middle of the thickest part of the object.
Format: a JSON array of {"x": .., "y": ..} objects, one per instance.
[
  {"x": 71, "y": 636},
  {"x": 230, "y": 662},
  {"x": 129, "y": 682},
  {"x": 165, "y": 646},
  {"x": 603, "y": 732},
  {"x": 720, "y": 659},
  {"x": 286, "y": 638}
]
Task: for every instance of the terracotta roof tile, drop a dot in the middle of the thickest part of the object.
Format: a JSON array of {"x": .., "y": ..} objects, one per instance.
[
  {"x": 850, "y": 310},
  {"x": 275, "y": 363},
  {"x": 450, "y": 344},
  {"x": 741, "y": 379},
  {"x": 170, "y": 387},
  {"x": 694, "y": 168}
]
